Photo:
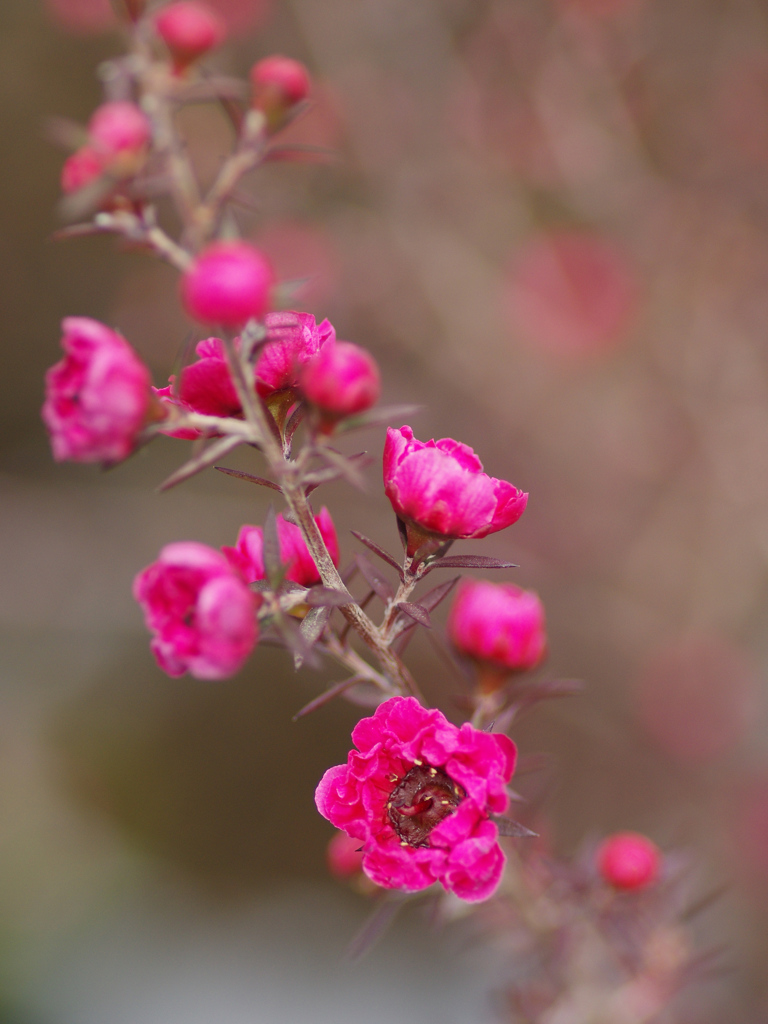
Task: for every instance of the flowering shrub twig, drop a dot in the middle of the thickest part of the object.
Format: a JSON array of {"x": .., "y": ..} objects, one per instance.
[{"x": 421, "y": 800}]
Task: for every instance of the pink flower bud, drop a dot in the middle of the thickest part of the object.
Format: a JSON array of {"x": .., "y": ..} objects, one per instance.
[
  {"x": 341, "y": 380},
  {"x": 279, "y": 83},
  {"x": 344, "y": 856},
  {"x": 80, "y": 169},
  {"x": 498, "y": 623},
  {"x": 247, "y": 555},
  {"x": 229, "y": 283},
  {"x": 293, "y": 339},
  {"x": 97, "y": 396},
  {"x": 200, "y": 610},
  {"x": 628, "y": 860},
  {"x": 441, "y": 487},
  {"x": 117, "y": 129},
  {"x": 282, "y": 77},
  {"x": 189, "y": 29}
]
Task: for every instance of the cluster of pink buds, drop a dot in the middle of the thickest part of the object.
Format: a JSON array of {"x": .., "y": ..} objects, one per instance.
[
  {"x": 116, "y": 149},
  {"x": 421, "y": 803}
]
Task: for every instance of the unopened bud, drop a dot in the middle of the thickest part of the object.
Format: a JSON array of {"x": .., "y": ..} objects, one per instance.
[
  {"x": 279, "y": 83},
  {"x": 628, "y": 860},
  {"x": 341, "y": 380},
  {"x": 228, "y": 284},
  {"x": 189, "y": 29}
]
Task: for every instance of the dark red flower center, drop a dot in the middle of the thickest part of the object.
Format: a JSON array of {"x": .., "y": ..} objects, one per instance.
[{"x": 423, "y": 797}]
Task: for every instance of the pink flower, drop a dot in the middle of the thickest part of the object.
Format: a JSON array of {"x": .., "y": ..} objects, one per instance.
[
  {"x": 97, "y": 396},
  {"x": 571, "y": 292},
  {"x": 118, "y": 128},
  {"x": 206, "y": 385},
  {"x": 441, "y": 486},
  {"x": 189, "y": 29},
  {"x": 228, "y": 283},
  {"x": 80, "y": 169},
  {"x": 344, "y": 857},
  {"x": 418, "y": 793},
  {"x": 200, "y": 610},
  {"x": 341, "y": 380},
  {"x": 247, "y": 555},
  {"x": 294, "y": 338},
  {"x": 499, "y": 623},
  {"x": 628, "y": 860}
]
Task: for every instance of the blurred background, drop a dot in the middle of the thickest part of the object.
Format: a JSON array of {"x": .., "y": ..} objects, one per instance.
[{"x": 548, "y": 219}]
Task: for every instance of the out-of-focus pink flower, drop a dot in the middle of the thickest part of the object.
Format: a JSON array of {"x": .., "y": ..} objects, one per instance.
[
  {"x": 341, "y": 380},
  {"x": 248, "y": 557},
  {"x": 200, "y": 610},
  {"x": 696, "y": 697},
  {"x": 418, "y": 793},
  {"x": 628, "y": 860},
  {"x": 243, "y": 15},
  {"x": 228, "y": 283},
  {"x": 279, "y": 83},
  {"x": 571, "y": 292},
  {"x": 599, "y": 8},
  {"x": 294, "y": 338},
  {"x": 119, "y": 129},
  {"x": 344, "y": 856},
  {"x": 441, "y": 486},
  {"x": 97, "y": 396},
  {"x": 498, "y": 623},
  {"x": 746, "y": 816},
  {"x": 282, "y": 75},
  {"x": 84, "y": 166},
  {"x": 189, "y": 28},
  {"x": 83, "y": 17}
]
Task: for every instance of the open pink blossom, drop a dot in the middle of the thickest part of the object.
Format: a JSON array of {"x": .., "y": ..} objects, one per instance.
[
  {"x": 498, "y": 623},
  {"x": 97, "y": 396},
  {"x": 441, "y": 487},
  {"x": 200, "y": 610},
  {"x": 248, "y": 553},
  {"x": 419, "y": 793},
  {"x": 293, "y": 339}
]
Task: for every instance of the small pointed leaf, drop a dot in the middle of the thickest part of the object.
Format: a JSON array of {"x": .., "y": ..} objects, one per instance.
[
  {"x": 471, "y": 562},
  {"x": 328, "y": 695},
  {"x": 201, "y": 461},
  {"x": 372, "y": 546},
  {"x": 417, "y": 613},
  {"x": 379, "y": 416},
  {"x": 374, "y": 579},
  {"x": 273, "y": 566},
  {"x": 433, "y": 597},
  {"x": 507, "y": 827},
  {"x": 262, "y": 481},
  {"x": 311, "y": 630}
]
